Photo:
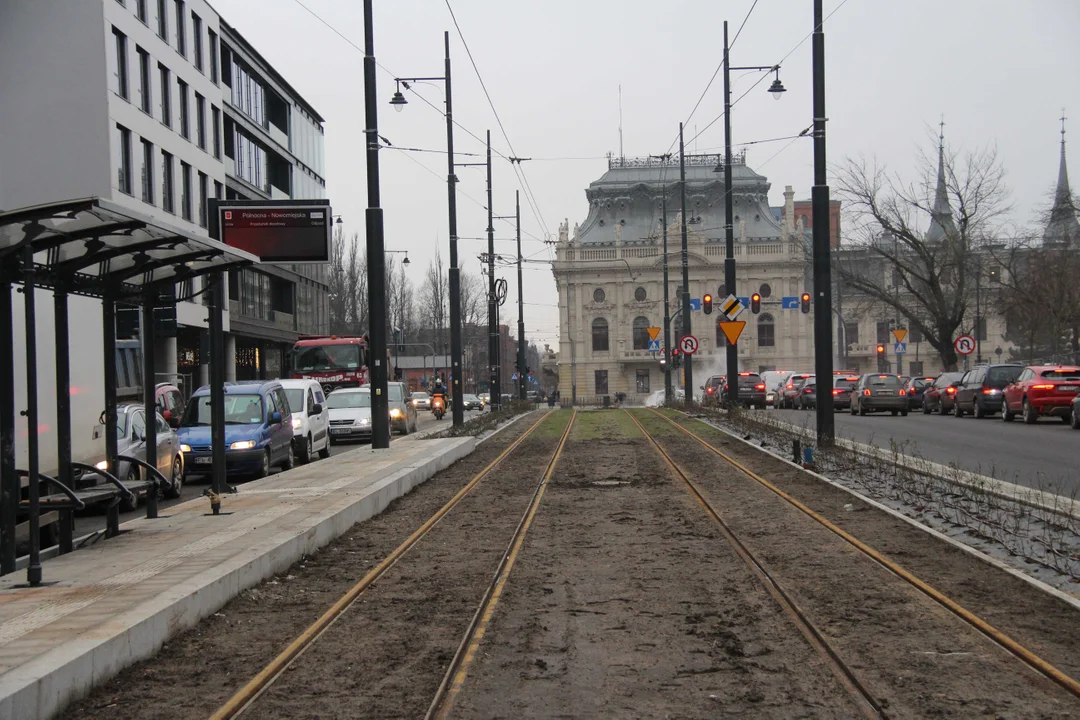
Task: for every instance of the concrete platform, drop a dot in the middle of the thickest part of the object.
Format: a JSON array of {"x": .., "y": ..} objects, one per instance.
[{"x": 118, "y": 602}]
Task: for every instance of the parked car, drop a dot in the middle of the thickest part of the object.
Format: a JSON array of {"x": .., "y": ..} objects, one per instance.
[
  {"x": 751, "y": 390},
  {"x": 310, "y": 418},
  {"x": 420, "y": 400},
  {"x": 350, "y": 414},
  {"x": 980, "y": 391},
  {"x": 916, "y": 388},
  {"x": 1042, "y": 390},
  {"x": 808, "y": 395},
  {"x": 170, "y": 403},
  {"x": 786, "y": 398},
  {"x": 258, "y": 429},
  {"x": 842, "y": 388},
  {"x": 471, "y": 402},
  {"x": 879, "y": 391},
  {"x": 939, "y": 395},
  {"x": 131, "y": 440},
  {"x": 403, "y": 414},
  {"x": 712, "y": 390}
]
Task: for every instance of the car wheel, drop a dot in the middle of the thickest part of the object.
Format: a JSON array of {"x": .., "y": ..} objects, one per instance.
[
  {"x": 264, "y": 469},
  {"x": 325, "y": 452},
  {"x": 896, "y": 412},
  {"x": 980, "y": 413},
  {"x": 862, "y": 410},
  {"x": 956, "y": 411},
  {"x": 290, "y": 459},
  {"x": 306, "y": 452},
  {"x": 942, "y": 410},
  {"x": 903, "y": 413},
  {"x": 1030, "y": 416},
  {"x": 177, "y": 479},
  {"x": 925, "y": 408},
  {"x": 1064, "y": 418},
  {"x": 1006, "y": 414},
  {"x": 1075, "y": 417},
  {"x": 127, "y": 505}
]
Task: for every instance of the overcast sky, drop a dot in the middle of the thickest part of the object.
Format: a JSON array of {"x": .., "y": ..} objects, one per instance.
[{"x": 999, "y": 71}]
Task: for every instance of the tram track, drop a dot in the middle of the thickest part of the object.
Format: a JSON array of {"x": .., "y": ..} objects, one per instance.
[
  {"x": 1030, "y": 659},
  {"x": 246, "y": 699}
]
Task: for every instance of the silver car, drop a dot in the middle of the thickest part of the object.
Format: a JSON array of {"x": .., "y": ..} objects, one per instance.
[
  {"x": 403, "y": 415},
  {"x": 131, "y": 440}
]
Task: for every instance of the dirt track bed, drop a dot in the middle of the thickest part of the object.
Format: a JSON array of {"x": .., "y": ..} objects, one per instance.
[
  {"x": 919, "y": 658},
  {"x": 199, "y": 670}
]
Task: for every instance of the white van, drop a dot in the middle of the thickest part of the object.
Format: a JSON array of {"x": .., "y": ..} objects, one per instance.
[{"x": 310, "y": 418}]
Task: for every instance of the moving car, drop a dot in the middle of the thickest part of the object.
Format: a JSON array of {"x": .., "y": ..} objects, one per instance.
[
  {"x": 981, "y": 390},
  {"x": 471, "y": 402},
  {"x": 403, "y": 414},
  {"x": 258, "y": 429},
  {"x": 842, "y": 388},
  {"x": 131, "y": 440},
  {"x": 916, "y": 387},
  {"x": 310, "y": 419},
  {"x": 939, "y": 395},
  {"x": 420, "y": 400},
  {"x": 712, "y": 390},
  {"x": 786, "y": 397},
  {"x": 1042, "y": 390},
  {"x": 350, "y": 414},
  {"x": 879, "y": 391},
  {"x": 751, "y": 390},
  {"x": 808, "y": 394},
  {"x": 485, "y": 398}
]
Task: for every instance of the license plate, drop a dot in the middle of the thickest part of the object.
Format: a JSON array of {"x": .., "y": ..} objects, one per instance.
[
  {"x": 884, "y": 392},
  {"x": 1069, "y": 388},
  {"x": 203, "y": 460},
  {"x": 339, "y": 431}
]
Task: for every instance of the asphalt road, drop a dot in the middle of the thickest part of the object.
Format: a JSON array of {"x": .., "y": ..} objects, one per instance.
[{"x": 1041, "y": 455}]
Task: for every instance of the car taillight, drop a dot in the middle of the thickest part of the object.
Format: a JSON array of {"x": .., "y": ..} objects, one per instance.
[
  {"x": 866, "y": 392},
  {"x": 1040, "y": 387},
  {"x": 710, "y": 391},
  {"x": 759, "y": 387},
  {"x": 950, "y": 390},
  {"x": 902, "y": 392},
  {"x": 835, "y": 392},
  {"x": 808, "y": 390}
]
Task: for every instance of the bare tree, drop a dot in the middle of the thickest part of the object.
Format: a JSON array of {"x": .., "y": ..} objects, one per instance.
[
  {"x": 434, "y": 301},
  {"x": 925, "y": 276},
  {"x": 337, "y": 282},
  {"x": 356, "y": 286}
]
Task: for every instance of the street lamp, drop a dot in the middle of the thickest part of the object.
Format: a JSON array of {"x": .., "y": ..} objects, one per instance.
[
  {"x": 404, "y": 262},
  {"x": 398, "y": 102}
]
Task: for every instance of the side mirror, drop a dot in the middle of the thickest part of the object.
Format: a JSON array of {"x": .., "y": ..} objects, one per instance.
[
  {"x": 275, "y": 417},
  {"x": 316, "y": 409}
]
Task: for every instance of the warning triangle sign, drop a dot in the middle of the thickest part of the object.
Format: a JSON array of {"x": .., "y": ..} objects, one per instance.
[
  {"x": 732, "y": 329},
  {"x": 654, "y": 333},
  {"x": 900, "y": 334}
]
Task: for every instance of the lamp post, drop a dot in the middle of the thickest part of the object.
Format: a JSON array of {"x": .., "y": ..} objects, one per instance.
[
  {"x": 823, "y": 338},
  {"x": 777, "y": 89},
  {"x": 399, "y": 102}
]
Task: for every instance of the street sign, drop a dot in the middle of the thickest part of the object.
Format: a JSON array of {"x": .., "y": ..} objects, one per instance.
[
  {"x": 732, "y": 330},
  {"x": 789, "y": 303},
  {"x": 899, "y": 334},
  {"x": 695, "y": 304},
  {"x": 654, "y": 346},
  {"x": 654, "y": 333},
  {"x": 965, "y": 344},
  {"x": 731, "y": 307},
  {"x": 900, "y": 348},
  {"x": 688, "y": 344},
  {"x": 514, "y": 376}
]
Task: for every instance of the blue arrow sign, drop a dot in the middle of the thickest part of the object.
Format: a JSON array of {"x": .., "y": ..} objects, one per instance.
[
  {"x": 900, "y": 348},
  {"x": 654, "y": 346},
  {"x": 745, "y": 301},
  {"x": 695, "y": 304},
  {"x": 789, "y": 303}
]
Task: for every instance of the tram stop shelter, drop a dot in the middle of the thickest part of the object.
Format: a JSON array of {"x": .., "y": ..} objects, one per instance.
[{"x": 96, "y": 248}]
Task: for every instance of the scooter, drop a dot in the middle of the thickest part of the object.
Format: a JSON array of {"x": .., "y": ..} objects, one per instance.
[{"x": 438, "y": 408}]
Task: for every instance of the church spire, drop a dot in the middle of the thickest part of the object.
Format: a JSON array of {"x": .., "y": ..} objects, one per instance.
[
  {"x": 941, "y": 217},
  {"x": 1063, "y": 223}
]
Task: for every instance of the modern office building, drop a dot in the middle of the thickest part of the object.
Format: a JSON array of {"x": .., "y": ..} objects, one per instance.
[{"x": 159, "y": 105}]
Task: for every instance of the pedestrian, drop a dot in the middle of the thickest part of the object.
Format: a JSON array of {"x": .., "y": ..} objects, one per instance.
[{"x": 551, "y": 400}]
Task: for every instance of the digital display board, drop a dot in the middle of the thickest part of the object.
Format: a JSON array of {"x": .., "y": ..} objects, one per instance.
[{"x": 279, "y": 233}]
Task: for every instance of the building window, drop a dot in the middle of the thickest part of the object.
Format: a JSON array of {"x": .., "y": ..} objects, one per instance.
[
  {"x": 213, "y": 56},
  {"x": 641, "y": 333},
  {"x": 851, "y": 333},
  {"x": 883, "y": 331},
  {"x": 185, "y": 125},
  {"x": 166, "y": 95},
  {"x": 915, "y": 367},
  {"x": 598, "y": 295},
  {"x": 643, "y": 382},
  {"x": 146, "y": 88},
  {"x": 122, "y": 139},
  {"x": 766, "y": 331},
  {"x": 640, "y": 294},
  {"x": 168, "y": 191},
  {"x": 914, "y": 335},
  {"x": 163, "y": 19},
  {"x": 218, "y": 191},
  {"x": 600, "y": 378},
  {"x": 200, "y": 121},
  {"x": 599, "y": 335},
  {"x": 765, "y": 290},
  {"x": 140, "y": 10},
  {"x": 196, "y": 40},
  {"x": 185, "y": 191},
  {"x": 148, "y": 172},
  {"x": 181, "y": 29},
  {"x": 118, "y": 64},
  {"x": 215, "y": 127},
  {"x": 204, "y": 191}
]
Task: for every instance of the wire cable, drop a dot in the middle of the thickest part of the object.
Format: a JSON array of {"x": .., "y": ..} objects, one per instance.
[{"x": 719, "y": 67}]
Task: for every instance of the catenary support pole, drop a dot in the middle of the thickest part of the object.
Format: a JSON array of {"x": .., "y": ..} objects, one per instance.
[
  {"x": 732, "y": 363},
  {"x": 457, "y": 411},
  {"x": 667, "y": 302},
  {"x": 10, "y": 486},
  {"x": 688, "y": 366},
  {"x": 150, "y": 395},
  {"x": 522, "y": 370},
  {"x": 493, "y": 321},
  {"x": 217, "y": 382},
  {"x": 33, "y": 568},
  {"x": 823, "y": 340},
  {"x": 376, "y": 266}
]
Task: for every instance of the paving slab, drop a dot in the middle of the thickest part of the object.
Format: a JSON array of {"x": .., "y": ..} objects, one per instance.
[{"x": 117, "y": 602}]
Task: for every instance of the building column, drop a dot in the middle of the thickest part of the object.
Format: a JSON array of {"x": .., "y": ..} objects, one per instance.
[
  {"x": 230, "y": 357},
  {"x": 165, "y": 358}
]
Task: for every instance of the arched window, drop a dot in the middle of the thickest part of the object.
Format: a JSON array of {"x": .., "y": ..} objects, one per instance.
[
  {"x": 641, "y": 333},
  {"x": 599, "y": 335},
  {"x": 766, "y": 331}
]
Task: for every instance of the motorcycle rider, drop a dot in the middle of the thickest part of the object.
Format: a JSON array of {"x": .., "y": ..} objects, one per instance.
[{"x": 438, "y": 394}]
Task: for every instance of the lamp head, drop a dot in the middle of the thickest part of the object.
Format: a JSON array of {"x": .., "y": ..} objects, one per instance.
[
  {"x": 777, "y": 88},
  {"x": 398, "y": 101}
]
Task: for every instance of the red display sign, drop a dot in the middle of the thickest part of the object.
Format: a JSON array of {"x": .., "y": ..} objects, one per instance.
[{"x": 278, "y": 233}]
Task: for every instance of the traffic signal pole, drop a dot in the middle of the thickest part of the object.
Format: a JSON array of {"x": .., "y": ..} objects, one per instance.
[
  {"x": 823, "y": 340},
  {"x": 729, "y": 226},
  {"x": 521, "y": 303},
  {"x": 688, "y": 369},
  {"x": 667, "y": 305}
]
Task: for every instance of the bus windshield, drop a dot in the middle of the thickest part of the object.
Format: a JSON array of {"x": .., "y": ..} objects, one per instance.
[{"x": 309, "y": 358}]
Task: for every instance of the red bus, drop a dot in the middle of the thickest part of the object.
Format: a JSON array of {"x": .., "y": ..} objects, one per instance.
[{"x": 335, "y": 361}]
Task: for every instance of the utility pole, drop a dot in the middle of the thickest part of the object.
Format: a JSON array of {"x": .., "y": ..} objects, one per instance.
[
  {"x": 521, "y": 302},
  {"x": 667, "y": 304},
  {"x": 376, "y": 266},
  {"x": 823, "y": 340},
  {"x": 688, "y": 371},
  {"x": 457, "y": 411},
  {"x": 493, "y": 322},
  {"x": 729, "y": 228}
]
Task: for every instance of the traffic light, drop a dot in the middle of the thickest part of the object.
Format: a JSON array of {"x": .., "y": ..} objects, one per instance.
[
  {"x": 881, "y": 351},
  {"x": 755, "y": 303},
  {"x": 706, "y": 304},
  {"x": 676, "y": 359},
  {"x": 881, "y": 358},
  {"x": 804, "y": 303}
]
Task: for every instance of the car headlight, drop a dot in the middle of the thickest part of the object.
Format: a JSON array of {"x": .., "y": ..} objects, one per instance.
[
  {"x": 296, "y": 422},
  {"x": 363, "y": 421},
  {"x": 103, "y": 465},
  {"x": 185, "y": 448},
  {"x": 242, "y": 445},
  {"x": 395, "y": 413}
]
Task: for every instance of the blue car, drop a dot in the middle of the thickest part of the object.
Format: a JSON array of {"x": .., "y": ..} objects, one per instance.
[{"x": 258, "y": 430}]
